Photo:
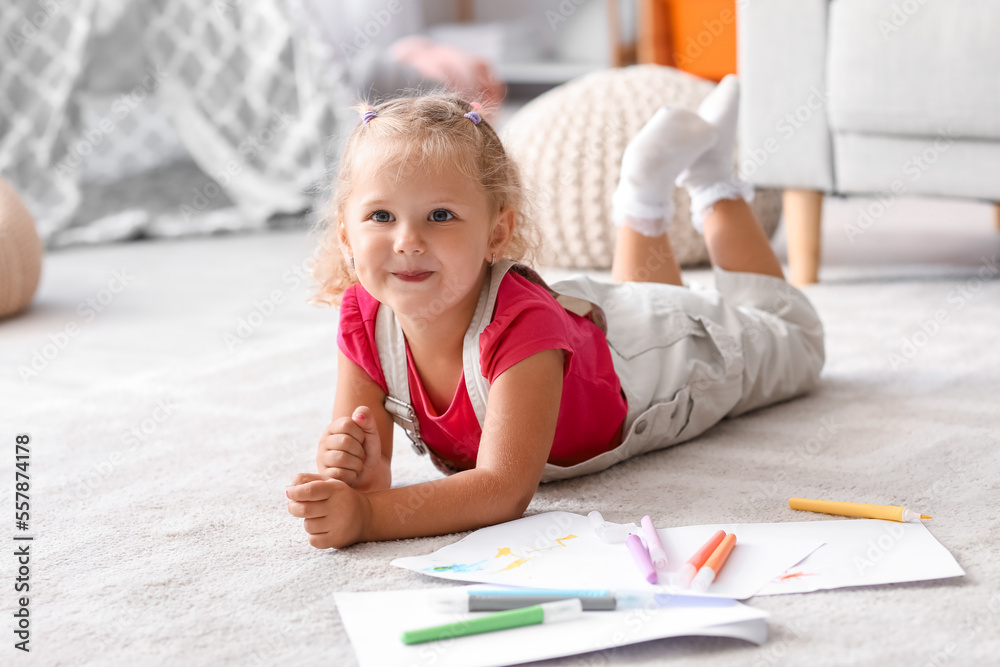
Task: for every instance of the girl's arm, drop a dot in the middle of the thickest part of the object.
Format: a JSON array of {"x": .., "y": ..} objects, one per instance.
[
  {"x": 517, "y": 437},
  {"x": 350, "y": 437}
]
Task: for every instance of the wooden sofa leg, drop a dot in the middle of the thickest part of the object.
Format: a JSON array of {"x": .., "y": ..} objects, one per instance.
[
  {"x": 803, "y": 218},
  {"x": 996, "y": 215}
]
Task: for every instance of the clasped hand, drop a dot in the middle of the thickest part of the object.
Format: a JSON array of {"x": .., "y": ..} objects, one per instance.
[
  {"x": 333, "y": 503},
  {"x": 335, "y": 515}
]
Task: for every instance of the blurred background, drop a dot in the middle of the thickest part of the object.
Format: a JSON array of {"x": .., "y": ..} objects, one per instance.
[{"x": 122, "y": 120}]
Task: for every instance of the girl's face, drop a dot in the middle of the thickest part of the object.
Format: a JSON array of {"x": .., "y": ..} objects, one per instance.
[{"x": 421, "y": 244}]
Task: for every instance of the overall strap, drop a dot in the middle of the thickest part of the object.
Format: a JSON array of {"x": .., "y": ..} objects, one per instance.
[
  {"x": 476, "y": 384},
  {"x": 392, "y": 356}
]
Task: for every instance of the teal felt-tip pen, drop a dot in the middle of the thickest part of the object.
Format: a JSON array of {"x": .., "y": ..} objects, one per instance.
[
  {"x": 549, "y": 612},
  {"x": 499, "y": 599}
]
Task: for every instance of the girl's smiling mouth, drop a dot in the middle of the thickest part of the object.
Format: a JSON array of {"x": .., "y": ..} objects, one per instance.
[{"x": 413, "y": 276}]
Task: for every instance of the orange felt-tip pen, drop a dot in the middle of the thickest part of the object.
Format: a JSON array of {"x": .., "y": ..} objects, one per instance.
[
  {"x": 865, "y": 510},
  {"x": 694, "y": 563},
  {"x": 710, "y": 570}
]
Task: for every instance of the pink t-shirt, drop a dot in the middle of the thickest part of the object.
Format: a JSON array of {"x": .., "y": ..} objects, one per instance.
[{"x": 527, "y": 320}]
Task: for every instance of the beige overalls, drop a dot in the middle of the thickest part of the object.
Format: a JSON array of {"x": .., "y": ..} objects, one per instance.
[{"x": 686, "y": 357}]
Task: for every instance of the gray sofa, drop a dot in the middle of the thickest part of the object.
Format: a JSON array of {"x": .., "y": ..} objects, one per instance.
[{"x": 889, "y": 98}]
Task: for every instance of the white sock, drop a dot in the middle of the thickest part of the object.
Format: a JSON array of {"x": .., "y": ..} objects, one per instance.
[
  {"x": 710, "y": 177},
  {"x": 653, "y": 158}
]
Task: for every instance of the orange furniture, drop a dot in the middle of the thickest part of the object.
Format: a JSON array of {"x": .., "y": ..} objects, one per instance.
[{"x": 697, "y": 36}]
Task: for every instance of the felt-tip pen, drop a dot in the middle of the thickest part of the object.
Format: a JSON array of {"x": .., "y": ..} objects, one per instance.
[
  {"x": 591, "y": 599},
  {"x": 548, "y": 612},
  {"x": 864, "y": 510}
]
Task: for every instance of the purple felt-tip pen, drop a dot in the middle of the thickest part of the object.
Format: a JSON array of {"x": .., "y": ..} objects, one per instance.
[
  {"x": 641, "y": 557},
  {"x": 656, "y": 551}
]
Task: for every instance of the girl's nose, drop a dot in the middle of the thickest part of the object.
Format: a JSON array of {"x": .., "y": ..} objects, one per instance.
[{"x": 409, "y": 237}]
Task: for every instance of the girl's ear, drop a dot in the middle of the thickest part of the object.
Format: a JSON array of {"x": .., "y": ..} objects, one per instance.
[
  {"x": 503, "y": 230},
  {"x": 345, "y": 242}
]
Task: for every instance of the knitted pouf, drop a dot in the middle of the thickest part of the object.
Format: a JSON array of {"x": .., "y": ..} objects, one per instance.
[
  {"x": 569, "y": 144},
  {"x": 20, "y": 252}
]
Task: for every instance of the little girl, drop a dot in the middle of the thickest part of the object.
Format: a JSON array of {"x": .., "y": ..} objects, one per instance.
[{"x": 501, "y": 379}]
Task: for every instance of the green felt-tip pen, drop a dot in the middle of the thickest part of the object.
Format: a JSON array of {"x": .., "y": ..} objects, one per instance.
[{"x": 547, "y": 612}]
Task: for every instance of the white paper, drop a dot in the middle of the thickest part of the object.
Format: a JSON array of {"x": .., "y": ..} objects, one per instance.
[
  {"x": 862, "y": 552},
  {"x": 560, "y": 550},
  {"x": 375, "y": 621}
]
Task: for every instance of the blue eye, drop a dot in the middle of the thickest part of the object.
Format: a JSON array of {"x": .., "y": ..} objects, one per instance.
[
  {"x": 381, "y": 216},
  {"x": 436, "y": 218}
]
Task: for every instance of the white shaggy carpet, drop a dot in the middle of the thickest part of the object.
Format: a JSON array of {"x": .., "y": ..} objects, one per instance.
[{"x": 159, "y": 457}]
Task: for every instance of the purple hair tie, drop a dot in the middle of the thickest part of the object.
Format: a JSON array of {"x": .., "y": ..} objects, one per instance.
[
  {"x": 474, "y": 114},
  {"x": 368, "y": 116}
]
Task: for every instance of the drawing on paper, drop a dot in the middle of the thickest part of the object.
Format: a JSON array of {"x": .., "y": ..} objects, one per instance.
[
  {"x": 457, "y": 567},
  {"x": 792, "y": 576},
  {"x": 515, "y": 561}
]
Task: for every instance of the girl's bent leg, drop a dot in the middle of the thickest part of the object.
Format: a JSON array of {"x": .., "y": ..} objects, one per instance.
[
  {"x": 736, "y": 242},
  {"x": 640, "y": 258}
]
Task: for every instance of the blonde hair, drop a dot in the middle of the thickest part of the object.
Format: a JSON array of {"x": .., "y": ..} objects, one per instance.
[{"x": 429, "y": 129}]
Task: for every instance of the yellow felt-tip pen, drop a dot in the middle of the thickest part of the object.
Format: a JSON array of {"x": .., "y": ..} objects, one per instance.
[{"x": 865, "y": 510}]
